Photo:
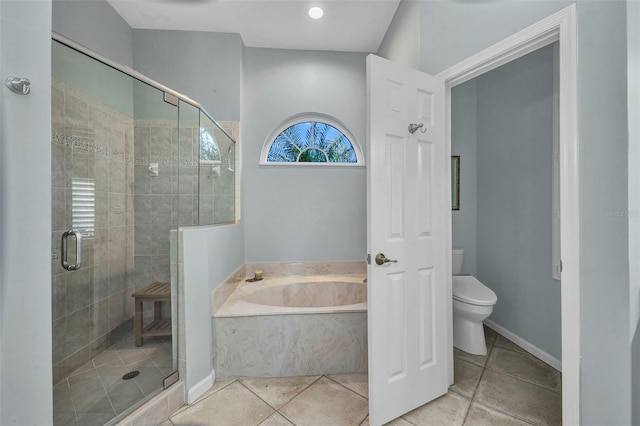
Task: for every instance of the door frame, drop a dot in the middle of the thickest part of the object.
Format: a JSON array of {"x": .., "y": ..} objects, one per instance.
[{"x": 559, "y": 27}]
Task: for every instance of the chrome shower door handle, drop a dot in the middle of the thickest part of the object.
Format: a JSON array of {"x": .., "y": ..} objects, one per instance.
[{"x": 64, "y": 243}]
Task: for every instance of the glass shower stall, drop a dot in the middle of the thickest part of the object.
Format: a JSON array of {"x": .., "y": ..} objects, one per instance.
[{"x": 132, "y": 161}]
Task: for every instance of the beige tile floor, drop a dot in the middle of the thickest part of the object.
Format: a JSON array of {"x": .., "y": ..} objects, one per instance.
[
  {"x": 95, "y": 393},
  {"x": 506, "y": 387}
]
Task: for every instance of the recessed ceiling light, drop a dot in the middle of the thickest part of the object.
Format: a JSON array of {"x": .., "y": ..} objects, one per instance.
[{"x": 315, "y": 12}]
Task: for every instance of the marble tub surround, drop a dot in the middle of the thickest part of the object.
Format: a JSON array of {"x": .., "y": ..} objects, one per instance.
[
  {"x": 224, "y": 290},
  {"x": 291, "y": 325},
  {"x": 290, "y": 345},
  {"x": 297, "y": 295}
]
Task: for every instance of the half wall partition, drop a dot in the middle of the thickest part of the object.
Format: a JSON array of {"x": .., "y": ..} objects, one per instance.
[{"x": 132, "y": 162}]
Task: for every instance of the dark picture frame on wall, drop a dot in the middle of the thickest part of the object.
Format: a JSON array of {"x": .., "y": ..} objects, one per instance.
[{"x": 455, "y": 182}]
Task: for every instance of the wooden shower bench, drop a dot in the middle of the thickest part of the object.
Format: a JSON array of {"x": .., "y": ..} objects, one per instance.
[{"x": 157, "y": 293}]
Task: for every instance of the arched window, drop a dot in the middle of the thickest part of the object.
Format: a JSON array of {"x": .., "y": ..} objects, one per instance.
[{"x": 312, "y": 139}]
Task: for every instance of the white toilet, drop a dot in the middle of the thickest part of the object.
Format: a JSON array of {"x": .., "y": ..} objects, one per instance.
[{"x": 472, "y": 303}]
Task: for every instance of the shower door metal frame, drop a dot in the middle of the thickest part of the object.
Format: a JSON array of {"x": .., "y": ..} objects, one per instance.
[{"x": 135, "y": 74}]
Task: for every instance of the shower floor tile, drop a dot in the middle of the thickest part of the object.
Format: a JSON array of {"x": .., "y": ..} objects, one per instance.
[
  {"x": 508, "y": 387},
  {"x": 96, "y": 393}
]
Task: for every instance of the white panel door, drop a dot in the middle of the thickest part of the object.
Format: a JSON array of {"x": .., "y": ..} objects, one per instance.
[{"x": 408, "y": 198}]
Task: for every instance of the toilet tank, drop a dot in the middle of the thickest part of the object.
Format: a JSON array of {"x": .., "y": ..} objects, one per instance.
[{"x": 456, "y": 263}]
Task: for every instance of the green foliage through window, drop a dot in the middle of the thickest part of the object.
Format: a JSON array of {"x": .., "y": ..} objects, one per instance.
[
  {"x": 209, "y": 150},
  {"x": 311, "y": 142}
]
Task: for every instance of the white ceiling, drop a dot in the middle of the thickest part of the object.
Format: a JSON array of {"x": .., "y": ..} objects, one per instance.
[{"x": 347, "y": 25}]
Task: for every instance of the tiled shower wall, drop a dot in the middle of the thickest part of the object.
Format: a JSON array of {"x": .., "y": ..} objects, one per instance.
[
  {"x": 155, "y": 200},
  {"x": 134, "y": 213},
  {"x": 170, "y": 199},
  {"x": 92, "y": 142}
]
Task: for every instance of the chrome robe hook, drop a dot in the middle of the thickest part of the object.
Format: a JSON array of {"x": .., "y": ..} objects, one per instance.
[
  {"x": 21, "y": 86},
  {"x": 414, "y": 127}
]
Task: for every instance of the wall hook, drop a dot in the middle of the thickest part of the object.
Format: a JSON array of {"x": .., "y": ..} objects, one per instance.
[
  {"x": 414, "y": 127},
  {"x": 19, "y": 85}
]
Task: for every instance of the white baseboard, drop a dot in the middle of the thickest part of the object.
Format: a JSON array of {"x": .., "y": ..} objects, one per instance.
[
  {"x": 201, "y": 387},
  {"x": 533, "y": 350}
]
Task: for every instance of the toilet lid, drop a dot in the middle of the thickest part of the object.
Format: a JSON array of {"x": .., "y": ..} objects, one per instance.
[{"x": 468, "y": 289}]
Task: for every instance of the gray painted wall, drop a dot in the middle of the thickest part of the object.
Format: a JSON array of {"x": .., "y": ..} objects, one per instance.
[
  {"x": 294, "y": 213},
  {"x": 211, "y": 255},
  {"x": 401, "y": 43},
  {"x": 602, "y": 126},
  {"x": 633, "y": 67},
  {"x": 453, "y": 31},
  {"x": 514, "y": 171},
  {"x": 95, "y": 24},
  {"x": 203, "y": 66},
  {"x": 463, "y": 143},
  {"x": 25, "y": 216}
]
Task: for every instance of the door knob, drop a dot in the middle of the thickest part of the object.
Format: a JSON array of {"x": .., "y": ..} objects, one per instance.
[{"x": 381, "y": 259}]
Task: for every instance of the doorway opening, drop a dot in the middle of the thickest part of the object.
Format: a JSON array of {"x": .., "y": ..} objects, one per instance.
[
  {"x": 503, "y": 140},
  {"x": 560, "y": 28}
]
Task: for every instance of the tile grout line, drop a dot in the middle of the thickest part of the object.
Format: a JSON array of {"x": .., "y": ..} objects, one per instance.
[
  {"x": 349, "y": 389},
  {"x": 105, "y": 390},
  {"x": 352, "y": 391},
  {"x": 473, "y": 397},
  {"x": 75, "y": 412},
  {"x": 128, "y": 369},
  {"x": 186, "y": 406},
  {"x": 258, "y": 396},
  {"x": 291, "y": 400},
  {"x": 298, "y": 394},
  {"x": 523, "y": 379}
]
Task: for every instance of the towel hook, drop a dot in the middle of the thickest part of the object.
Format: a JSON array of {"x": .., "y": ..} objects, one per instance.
[
  {"x": 21, "y": 86},
  {"x": 414, "y": 127}
]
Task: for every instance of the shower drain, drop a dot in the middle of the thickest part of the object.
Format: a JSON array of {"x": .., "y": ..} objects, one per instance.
[{"x": 130, "y": 375}]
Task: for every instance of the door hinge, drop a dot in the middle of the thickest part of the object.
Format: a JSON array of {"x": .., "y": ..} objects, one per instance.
[{"x": 171, "y": 99}]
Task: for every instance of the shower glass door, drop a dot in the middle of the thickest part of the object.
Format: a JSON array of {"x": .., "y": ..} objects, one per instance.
[{"x": 115, "y": 163}]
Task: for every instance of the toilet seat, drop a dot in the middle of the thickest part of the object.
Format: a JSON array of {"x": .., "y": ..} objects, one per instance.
[{"x": 468, "y": 289}]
